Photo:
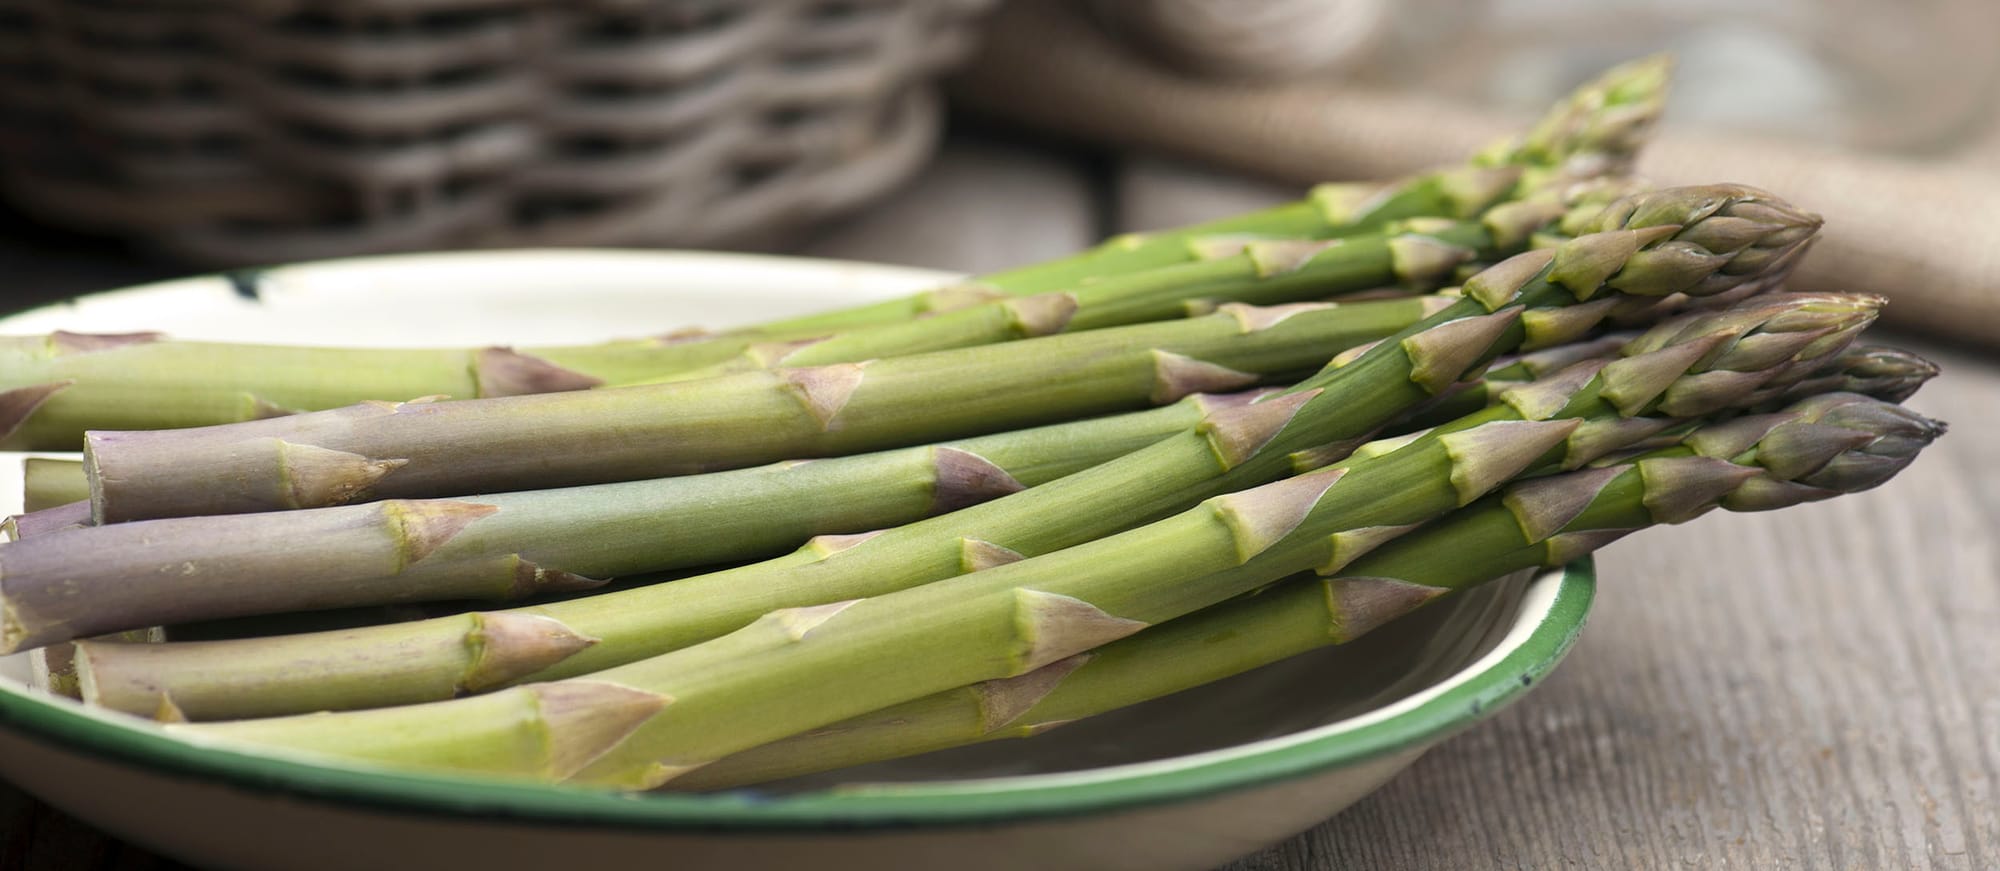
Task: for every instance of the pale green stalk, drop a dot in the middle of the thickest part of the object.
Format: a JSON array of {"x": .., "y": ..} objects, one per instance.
[
  {"x": 423, "y": 449},
  {"x": 1645, "y": 248},
  {"x": 1543, "y": 523},
  {"x": 796, "y": 669},
  {"x": 50, "y": 482}
]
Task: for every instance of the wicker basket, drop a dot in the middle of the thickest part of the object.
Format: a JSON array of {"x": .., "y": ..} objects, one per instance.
[{"x": 253, "y": 131}]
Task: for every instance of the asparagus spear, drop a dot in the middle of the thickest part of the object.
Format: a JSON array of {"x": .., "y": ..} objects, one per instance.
[
  {"x": 1230, "y": 450},
  {"x": 47, "y": 520},
  {"x": 517, "y": 543},
  {"x": 1545, "y": 522},
  {"x": 1596, "y": 130},
  {"x": 656, "y": 718},
  {"x": 57, "y": 385},
  {"x": 512, "y": 544},
  {"x": 448, "y": 448},
  {"x": 51, "y": 482}
]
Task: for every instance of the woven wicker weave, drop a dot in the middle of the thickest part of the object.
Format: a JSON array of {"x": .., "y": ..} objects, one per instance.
[{"x": 249, "y": 131}]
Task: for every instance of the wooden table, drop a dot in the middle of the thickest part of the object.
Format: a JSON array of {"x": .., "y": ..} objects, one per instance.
[{"x": 1816, "y": 688}]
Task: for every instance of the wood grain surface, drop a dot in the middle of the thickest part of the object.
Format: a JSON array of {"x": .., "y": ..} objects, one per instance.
[{"x": 1814, "y": 688}]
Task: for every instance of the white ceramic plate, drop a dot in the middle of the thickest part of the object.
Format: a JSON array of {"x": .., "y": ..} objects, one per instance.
[{"x": 1184, "y": 782}]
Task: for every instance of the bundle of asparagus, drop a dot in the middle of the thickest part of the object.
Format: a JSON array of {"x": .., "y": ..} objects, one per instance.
[{"x": 961, "y": 520}]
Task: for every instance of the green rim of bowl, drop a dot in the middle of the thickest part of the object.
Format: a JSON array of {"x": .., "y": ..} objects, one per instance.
[{"x": 1475, "y": 696}]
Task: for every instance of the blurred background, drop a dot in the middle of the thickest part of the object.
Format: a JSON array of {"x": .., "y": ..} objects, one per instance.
[{"x": 144, "y": 138}]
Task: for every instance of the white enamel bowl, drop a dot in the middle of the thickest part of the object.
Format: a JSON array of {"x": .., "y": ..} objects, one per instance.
[{"x": 1185, "y": 782}]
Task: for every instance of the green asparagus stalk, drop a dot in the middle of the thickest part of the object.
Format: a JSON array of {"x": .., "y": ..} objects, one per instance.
[
  {"x": 47, "y": 520},
  {"x": 1595, "y": 131},
  {"x": 1232, "y": 449},
  {"x": 422, "y": 449},
  {"x": 682, "y": 710},
  {"x": 1545, "y": 522},
  {"x": 53, "y": 387},
  {"x": 51, "y": 482},
  {"x": 514, "y": 544}
]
